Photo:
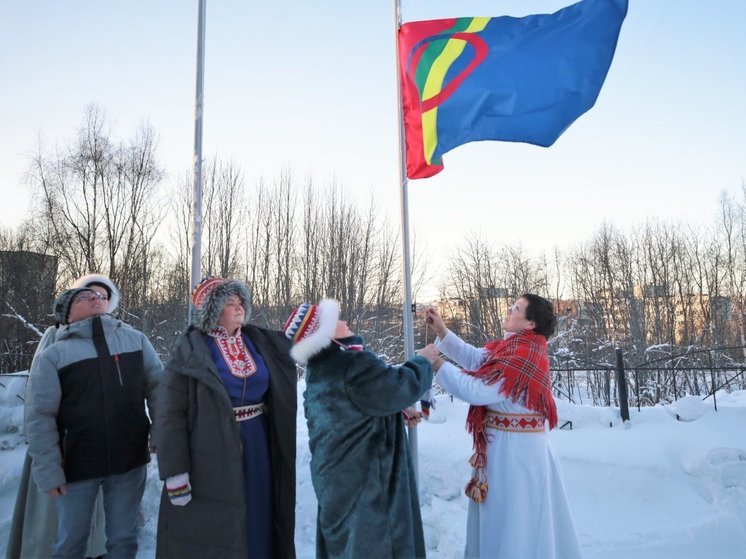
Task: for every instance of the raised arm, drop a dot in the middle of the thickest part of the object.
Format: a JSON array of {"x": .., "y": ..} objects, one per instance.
[
  {"x": 466, "y": 387},
  {"x": 379, "y": 389},
  {"x": 465, "y": 355}
]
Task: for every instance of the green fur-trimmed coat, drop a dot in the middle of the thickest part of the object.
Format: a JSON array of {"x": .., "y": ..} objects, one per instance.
[{"x": 360, "y": 465}]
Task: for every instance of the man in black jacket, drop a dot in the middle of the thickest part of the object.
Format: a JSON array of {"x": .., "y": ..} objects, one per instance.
[{"x": 86, "y": 422}]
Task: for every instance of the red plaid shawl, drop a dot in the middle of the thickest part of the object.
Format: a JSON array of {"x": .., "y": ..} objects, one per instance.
[{"x": 522, "y": 363}]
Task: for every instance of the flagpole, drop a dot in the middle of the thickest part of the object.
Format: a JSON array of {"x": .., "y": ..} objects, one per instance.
[
  {"x": 198, "y": 110},
  {"x": 408, "y": 330}
]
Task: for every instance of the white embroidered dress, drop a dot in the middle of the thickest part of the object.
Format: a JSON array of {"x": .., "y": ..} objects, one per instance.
[{"x": 525, "y": 514}]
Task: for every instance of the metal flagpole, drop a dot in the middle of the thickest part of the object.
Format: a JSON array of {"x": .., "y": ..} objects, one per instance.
[
  {"x": 406, "y": 260},
  {"x": 198, "y": 110}
]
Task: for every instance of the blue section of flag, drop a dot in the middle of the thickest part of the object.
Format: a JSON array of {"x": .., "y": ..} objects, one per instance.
[
  {"x": 542, "y": 72},
  {"x": 504, "y": 78}
]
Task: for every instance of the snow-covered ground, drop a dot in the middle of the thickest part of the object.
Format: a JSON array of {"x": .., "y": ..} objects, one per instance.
[{"x": 657, "y": 488}]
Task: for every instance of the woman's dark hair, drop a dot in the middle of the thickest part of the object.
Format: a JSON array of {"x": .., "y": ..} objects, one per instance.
[{"x": 541, "y": 312}]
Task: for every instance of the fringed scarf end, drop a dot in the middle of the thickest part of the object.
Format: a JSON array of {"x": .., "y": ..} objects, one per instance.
[
  {"x": 476, "y": 419},
  {"x": 476, "y": 490},
  {"x": 478, "y": 460}
]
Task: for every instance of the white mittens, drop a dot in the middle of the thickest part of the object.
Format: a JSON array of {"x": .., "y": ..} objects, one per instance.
[{"x": 179, "y": 489}]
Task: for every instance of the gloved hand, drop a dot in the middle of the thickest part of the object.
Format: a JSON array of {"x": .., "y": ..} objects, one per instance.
[{"x": 179, "y": 489}]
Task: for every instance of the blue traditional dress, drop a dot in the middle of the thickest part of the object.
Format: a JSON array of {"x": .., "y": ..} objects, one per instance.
[{"x": 246, "y": 379}]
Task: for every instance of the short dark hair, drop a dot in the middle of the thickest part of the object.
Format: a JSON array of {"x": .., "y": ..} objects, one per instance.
[{"x": 541, "y": 312}]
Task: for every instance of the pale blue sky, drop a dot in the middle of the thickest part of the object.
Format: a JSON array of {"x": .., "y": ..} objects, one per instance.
[{"x": 311, "y": 85}]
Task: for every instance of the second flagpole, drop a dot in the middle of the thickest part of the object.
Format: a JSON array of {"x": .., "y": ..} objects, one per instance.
[
  {"x": 408, "y": 330},
  {"x": 197, "y": 195}
]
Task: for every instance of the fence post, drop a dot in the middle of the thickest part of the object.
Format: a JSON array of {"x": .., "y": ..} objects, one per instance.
[
  {"x": 607, "y": 386},
  {"x": 637, "y": 388},
  {"x": 712, "y": 379},
  {"x": 621, "y": 382}
]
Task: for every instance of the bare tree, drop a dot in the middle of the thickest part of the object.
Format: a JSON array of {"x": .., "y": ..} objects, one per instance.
[
  {"x": 97, "y": 209},
  {"x": 309, "y": 254},
  {"x": 485, "y": 281},
  {"x": 733, "y": 222},
  {"x": 224, "y": 208}
]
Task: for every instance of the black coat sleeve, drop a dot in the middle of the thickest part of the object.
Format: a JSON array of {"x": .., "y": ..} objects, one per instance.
[{"x": 172, "y": 437}]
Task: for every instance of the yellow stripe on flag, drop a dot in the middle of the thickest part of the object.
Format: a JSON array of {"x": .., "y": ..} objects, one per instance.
[{"x": 434, "y": 84}]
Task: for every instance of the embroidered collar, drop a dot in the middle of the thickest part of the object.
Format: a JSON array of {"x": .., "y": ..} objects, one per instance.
[
  {"x": 350, "y": 343},
  {"x": 221, "y": 333},
  {"x": 236, "y": 355}
]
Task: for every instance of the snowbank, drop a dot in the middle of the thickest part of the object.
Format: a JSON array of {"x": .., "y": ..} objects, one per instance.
[{"x": 657, "y": 488}]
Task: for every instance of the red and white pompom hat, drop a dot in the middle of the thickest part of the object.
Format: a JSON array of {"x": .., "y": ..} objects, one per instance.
[
  {"x": 211, "y": 296},
  {"x": 311, "y": 328},
  {"x": 204, "y": 288}
]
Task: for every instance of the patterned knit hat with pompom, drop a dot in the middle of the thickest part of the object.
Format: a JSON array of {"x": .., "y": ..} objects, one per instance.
[
  {"x": 311, "y": 328},
  {"x": 210, "y": 297}
]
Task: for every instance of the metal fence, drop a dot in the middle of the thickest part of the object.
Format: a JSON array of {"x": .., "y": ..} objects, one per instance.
[
  {"x": 699, "y": 372},
  {"x": 616, "y": 382}
]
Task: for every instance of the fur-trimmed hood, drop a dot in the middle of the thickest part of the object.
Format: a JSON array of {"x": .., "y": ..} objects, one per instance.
[
  {"x": 100, "y": 279},
  {"x": 205, "y": 317},
  {"x": 309, "y": 346}
]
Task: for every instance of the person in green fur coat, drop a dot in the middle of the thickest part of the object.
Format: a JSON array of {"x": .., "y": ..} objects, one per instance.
[{"x": 361, "y": 469}]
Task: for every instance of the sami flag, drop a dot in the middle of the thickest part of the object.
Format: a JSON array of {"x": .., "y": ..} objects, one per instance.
[{"x": 504, "y": 78}]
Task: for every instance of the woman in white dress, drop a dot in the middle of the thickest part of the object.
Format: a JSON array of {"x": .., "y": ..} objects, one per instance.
[{"x": 518, "y": 508}]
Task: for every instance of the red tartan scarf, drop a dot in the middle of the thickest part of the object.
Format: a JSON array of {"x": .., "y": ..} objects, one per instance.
[{"x": 522, "y": 363}]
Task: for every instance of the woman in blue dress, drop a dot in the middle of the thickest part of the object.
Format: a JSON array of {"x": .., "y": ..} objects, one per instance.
[{"x": 225, "y": 434}]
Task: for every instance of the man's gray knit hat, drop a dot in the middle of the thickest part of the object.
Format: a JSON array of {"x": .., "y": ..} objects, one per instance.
[
  {"x": 209, "y": 299},
  {"x": 61, "y": 307}
]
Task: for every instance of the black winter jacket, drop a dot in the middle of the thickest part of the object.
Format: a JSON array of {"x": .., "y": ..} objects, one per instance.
[
  {"x": 198, "y": 434},
  {"x": 85, "y": 414}
]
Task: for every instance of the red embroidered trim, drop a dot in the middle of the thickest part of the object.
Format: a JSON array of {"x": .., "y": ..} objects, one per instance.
[
  {"x": 238, "y": 359},
  {"x": 515, "y": 422},
  {"x": 180, "y": 491},
  {"x": 248, "y": 412}
]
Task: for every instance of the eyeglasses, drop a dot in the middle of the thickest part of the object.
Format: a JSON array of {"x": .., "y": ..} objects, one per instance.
[
  {"x": 91, "y": 296},
  {"x": 513, "y": 308}
]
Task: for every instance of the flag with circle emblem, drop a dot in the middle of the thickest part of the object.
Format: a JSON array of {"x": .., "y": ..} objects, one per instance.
[{"x": 502, "y": 78}]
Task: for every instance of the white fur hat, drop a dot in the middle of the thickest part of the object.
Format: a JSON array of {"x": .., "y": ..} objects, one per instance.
[
  {"x": 99, "y": 279},
  {"x": 311, "y": 328}
]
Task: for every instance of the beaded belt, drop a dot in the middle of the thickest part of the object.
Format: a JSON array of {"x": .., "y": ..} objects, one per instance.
[
  {"x": 516, "y": 422},
  {"x": 243, "y": 413}
]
